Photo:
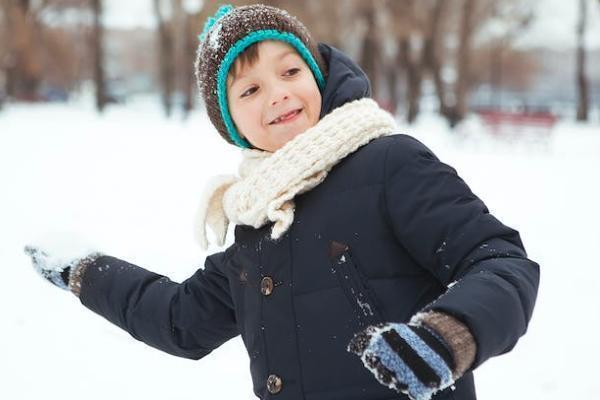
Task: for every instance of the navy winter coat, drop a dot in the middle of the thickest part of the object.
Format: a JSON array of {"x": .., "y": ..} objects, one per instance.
[{"x": 412, "y": 228}]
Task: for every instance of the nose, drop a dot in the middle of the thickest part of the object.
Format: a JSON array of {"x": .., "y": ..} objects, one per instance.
[
  {"x": 278, "y": 95},
  {"x": 275, "y": 102}
]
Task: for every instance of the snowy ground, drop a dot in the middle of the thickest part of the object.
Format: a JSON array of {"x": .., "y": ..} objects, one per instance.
[{"x": 128, "y": 184}]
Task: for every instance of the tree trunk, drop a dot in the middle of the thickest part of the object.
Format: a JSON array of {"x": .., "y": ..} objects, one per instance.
[
  {"x": 393, "y": 81},
  {"x": 414, "y": 77},
  {"x": 463, "y": 63},
  {"x": 582, "y": 82},
  {"x": 370, "y": 53},
  {"x": 7, "y": 60},
  {"x": 165, "y": 61},
  {"x": 426, "y": 59},
  {"x": 97, "y": 48},
  {"x": 22, "y": 64},
  {"x": 432, "y": 56},
  {"x": 188, "y": 66},
  {"x": 181, "y": 59}
]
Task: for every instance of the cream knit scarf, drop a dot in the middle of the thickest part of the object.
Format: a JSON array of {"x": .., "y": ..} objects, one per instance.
[{"x": 268, "y": 182}]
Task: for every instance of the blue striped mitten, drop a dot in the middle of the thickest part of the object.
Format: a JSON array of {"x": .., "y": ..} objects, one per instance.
[{"x": 407, "y": 358}]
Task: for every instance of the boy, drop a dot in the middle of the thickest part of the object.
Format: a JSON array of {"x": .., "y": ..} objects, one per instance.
[
  {"x": 295, "y": 101},
  {"x": 349, "y": 240}
]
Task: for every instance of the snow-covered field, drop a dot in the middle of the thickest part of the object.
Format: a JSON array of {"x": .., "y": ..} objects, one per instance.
[{"x": 128, "y": 183}]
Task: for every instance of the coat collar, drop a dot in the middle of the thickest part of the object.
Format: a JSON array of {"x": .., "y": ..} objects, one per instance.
[{"x": 345, "y": 80}]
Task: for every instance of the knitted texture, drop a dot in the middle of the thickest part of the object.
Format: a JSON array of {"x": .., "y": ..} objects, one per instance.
[
  {"x": 269, "y": 182},
  {"x": 455, "y": 333},
  {"x": 226, "y": 36},
  {"x": 409, "y": 359},
  {"x": 78, "y": 271}
]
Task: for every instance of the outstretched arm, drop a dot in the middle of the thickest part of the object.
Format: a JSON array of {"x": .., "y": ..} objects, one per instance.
[{"x": 188, "y": 319}]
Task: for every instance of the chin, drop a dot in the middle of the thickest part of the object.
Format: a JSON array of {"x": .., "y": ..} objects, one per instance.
[{"x": 296, "y": 133}]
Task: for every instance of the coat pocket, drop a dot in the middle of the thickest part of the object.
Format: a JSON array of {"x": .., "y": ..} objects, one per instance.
[{"x": 361, "y": 297}]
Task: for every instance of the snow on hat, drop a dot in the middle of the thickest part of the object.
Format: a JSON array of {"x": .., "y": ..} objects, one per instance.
[{"x": 226, "y": 35}]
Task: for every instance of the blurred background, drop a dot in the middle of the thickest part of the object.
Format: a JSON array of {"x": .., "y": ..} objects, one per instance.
[
  {"x": 503, "y": 59},
  {"x": 104, "y": 144}
]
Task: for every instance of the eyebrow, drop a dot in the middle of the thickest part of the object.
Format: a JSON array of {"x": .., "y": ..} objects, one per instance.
[
  {"x": 285, "y": 53},
  {"x": 279, "y": 58}
]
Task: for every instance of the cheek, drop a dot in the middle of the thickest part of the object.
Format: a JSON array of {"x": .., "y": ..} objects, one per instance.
[
  {"x": 313, "y": 98},
  {"x": 245, "y": 116}
]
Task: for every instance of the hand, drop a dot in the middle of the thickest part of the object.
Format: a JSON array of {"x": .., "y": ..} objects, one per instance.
[
  {"x": 55, "y": 269},
  {"x": 51, "y": 269},
  {"x": 407, "y": 358}
]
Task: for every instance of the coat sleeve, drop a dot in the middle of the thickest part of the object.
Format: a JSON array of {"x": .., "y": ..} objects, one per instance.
[
  {"x": 492, "y": 285},
  {"x": 188, "y": 319}
]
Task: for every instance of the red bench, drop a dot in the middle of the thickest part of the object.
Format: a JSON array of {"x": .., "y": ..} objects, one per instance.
[{"x": 511, "y": 122}]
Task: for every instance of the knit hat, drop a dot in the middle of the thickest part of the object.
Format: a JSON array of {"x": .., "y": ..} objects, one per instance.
[{"x": 226, "y": 35}]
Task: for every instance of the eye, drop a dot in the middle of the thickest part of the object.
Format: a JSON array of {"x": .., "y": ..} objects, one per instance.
[
  {"x": 292, "y": 71},
  {"x": 249, "y": 91}
]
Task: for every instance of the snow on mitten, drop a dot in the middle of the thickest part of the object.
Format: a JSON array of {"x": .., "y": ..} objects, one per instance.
[
  {"x": 58, "y": 271},
  {"x": 408, "y": 358}
]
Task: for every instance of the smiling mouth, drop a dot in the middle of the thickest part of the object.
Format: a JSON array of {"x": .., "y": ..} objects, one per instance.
[{"x": 286, "y": 117}]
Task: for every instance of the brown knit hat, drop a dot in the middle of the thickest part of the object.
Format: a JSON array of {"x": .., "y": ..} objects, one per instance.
[{"x": 226, "y": 35}]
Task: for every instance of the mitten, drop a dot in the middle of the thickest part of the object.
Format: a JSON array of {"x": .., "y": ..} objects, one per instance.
[
  {"x": 412, "y": 359},
  {"x": 66, "y": 274}
]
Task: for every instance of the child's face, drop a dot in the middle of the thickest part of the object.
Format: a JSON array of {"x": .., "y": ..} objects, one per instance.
[{"x": 274, "y": 99}]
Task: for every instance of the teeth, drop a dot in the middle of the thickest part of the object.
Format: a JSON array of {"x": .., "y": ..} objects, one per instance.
[{"x": 279, "y": 119}]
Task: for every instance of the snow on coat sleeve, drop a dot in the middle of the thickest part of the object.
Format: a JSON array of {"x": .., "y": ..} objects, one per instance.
[
  {"x": 188, "y": 319},
  {"x": 450, "y": 232}
]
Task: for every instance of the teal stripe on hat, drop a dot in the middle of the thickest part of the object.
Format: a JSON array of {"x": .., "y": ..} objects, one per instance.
[
  {"x": 210, "y": 21},
  {"x": 234, "y": 52}
]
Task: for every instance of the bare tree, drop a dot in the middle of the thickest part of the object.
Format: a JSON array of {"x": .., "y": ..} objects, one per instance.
[
  {"x": 322, "y": 28},
  {"x": 185, "y": 27},
  {"x": 4, "y": 45},
  {"x": 506, "y": 67},
  {"x": 582, "y": 81},
  {"x": 98, "y": 55},
  {"x": 370, "y": 55},
  {"x": 463, "y": 64},
  {"x": 419, "y": 28},
  {"x": 404, "y": 30},
  {"x": 414, "y": 76},
  {"x": 189, "y": 14},
  {"x": 474, "y": 16},
  {"x": 41, "y": 51},
  {"x": 433, "y": 52},
  {"x": 189, "y": 51},
  {"x": 165, "y": 54},
  {"x": 426, "y": 62},
  {"x": 409, "y": 53},
  {"x": 21, "y": 61}
]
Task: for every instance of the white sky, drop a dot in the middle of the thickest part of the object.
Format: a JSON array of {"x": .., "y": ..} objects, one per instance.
[
  {"x": 554, "y": 25},
  {"x": 555, "y": 22},
  {"x": 129, "y": 13}
]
